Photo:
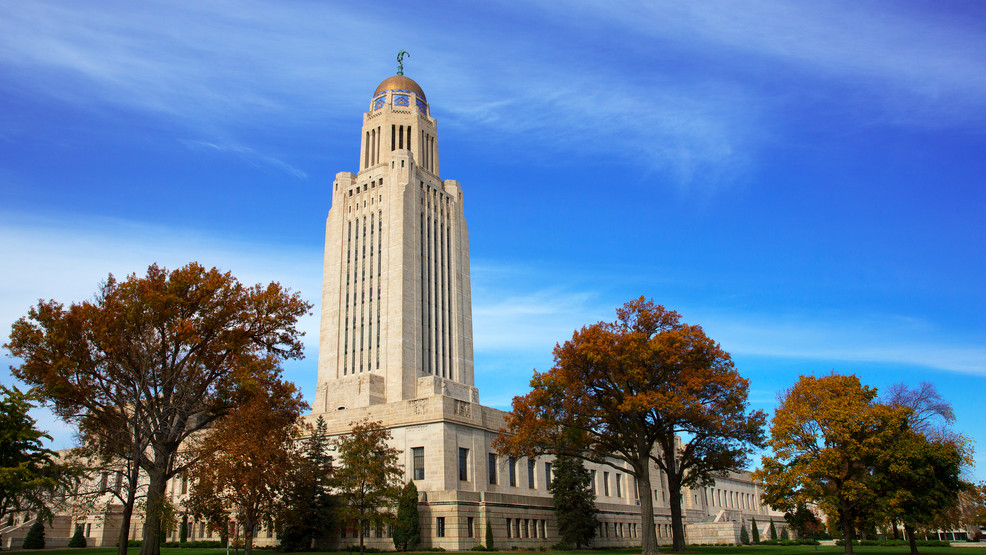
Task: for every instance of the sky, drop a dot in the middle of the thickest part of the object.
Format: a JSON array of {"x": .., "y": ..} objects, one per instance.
[{"x": 805, "y": 180}]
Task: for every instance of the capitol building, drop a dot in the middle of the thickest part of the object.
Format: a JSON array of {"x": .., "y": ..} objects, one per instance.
[{"x": 396, "y": 346}]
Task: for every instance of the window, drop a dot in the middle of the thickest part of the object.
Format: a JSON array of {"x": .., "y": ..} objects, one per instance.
[
  {"x": 606, "y": 483},
  {"x": 530, "y": 473},
  {"x": 440, "y": 527},
  {"x": 619, "y": 485},
  {"x": 463, "y": 464},
  {"x": 547, "y": 474},
  {"x": 508, "y": 527},
  {"x": 512, "y": 464},
  {"x": 469, "y": 526},
  {"x": 492, "y": 468},
  {"x": 418, "y": 454},
  {"x": 592, "y": 481},
  {"x": 88, "y": 529}
]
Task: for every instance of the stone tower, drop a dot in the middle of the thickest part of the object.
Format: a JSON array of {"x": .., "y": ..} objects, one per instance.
[{"x": 396, "y": 309}]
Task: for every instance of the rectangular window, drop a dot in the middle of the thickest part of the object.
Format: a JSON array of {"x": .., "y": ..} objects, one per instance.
[
  {"x": 606, "y": 483},
  {"x": 619, "y": 485},
  {"x": 592, "y": 481},
  {"x": 512, "y": 469},
  {"x": 440, "y": 527},
  {"x": 547, "y": 474},
  {"x": 463, "y": 464},
  {"x": 469, "y": 526},
  {"x": 492, "y": 468},
  {"x": 418, "y": 454},
  {"x": 508, "y": 527},
  {"x": 530, "y": 473}
]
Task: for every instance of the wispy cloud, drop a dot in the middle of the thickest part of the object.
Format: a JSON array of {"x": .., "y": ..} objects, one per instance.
[{"x": 250, "y": 155}]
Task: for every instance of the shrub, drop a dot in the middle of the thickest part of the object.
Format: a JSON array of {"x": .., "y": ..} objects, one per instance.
[
  {"x": 35, "y": 538},
  {"x": 744, "y": 537},
  {"x": 785, "y": 535},
  {"x": 773, "y": 531},
  {"x": 78, "y": 538},
  {"x": 489, "y": 536},
  {"x": 755, "y": 530}
]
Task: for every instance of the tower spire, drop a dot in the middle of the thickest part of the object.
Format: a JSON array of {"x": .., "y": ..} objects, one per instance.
[{"x": 400, "y": 61}]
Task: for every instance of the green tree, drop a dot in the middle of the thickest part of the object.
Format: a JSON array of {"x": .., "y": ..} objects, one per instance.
[
  {"x": 157, "y": 358},
  {"x": 773, "y": 531},
  {"x": 756, "y": 530},
  {"x": 35, "y": 538},
  {"x": 623, "y": 392},
  {"x": 785, "y": 535},
  {"x": 489, "y": 536},
  {"x": 575, "y": 506},
  {"x": 803, "y": 521},
  {"x": 368, "y": 477},
  {"x": 407, "y": 529},
  {"x": 309, "y": 506},
  {"x": 78, "y": 538},
  {"x": 744, "y": 536},
  {"x": 29, "y": 473},
  {"x": 826, "y": 435}
]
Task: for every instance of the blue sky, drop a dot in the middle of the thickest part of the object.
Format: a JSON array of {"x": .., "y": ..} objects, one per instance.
[{"x": 804, "y": 180}]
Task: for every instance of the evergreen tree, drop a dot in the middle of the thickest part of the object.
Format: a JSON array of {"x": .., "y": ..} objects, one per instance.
[
  {"x": 785, "y": 535},
  {"x": 183, "y": 531},
  {"x": 744, "y": 537},
  {"x": 575, "y": 506},
  {"x": 489, "y": 536},
  {"x": 35, "y": 538},
  {"x": 308, "y": 504},
  {"x": 755, "y": 530},
  {"x": 407, "y": 530},
  {"x": 78, "y": 539},
  {"x": 773, "y": 531}
]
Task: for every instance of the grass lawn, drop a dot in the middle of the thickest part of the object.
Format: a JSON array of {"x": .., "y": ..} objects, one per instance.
[{"x": 704, "y": 550}]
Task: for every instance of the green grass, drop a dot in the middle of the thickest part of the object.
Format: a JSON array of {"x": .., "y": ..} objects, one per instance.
[{"x": 692, "y": 550}]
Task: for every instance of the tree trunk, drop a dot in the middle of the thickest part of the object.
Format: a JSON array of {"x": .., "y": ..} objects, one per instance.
[
  {"x": 128, "y": 511},
  {"x": 893, "y": 524},
  {"x": 911, "y": 540},
  {"x": 248, "y": 536},
  {"x": 677, "y": 522},
  {"x": 845, "y": 516},
  {"x": 151, "y": 544},
  {"x": 360, "y": 524},
  {"x": 648, "y": 539}
]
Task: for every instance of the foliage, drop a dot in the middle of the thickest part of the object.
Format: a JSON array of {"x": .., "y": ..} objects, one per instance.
[
  {"x": 489, "y": 536},
  {"x": 29, "y": 473},
  {"x": 744, "y": 535},
  {"x": 407, "y": 528},
  {"x": 826, "y": 436},
  {"x": 785, "y": 535},
  {"x": 773, "y": 531},
  {"x": 308, "y": 507},
  {"x": 35, "y": 538},
  {"x": 247, "y": 459},
  {"x": 625, "y": 390},
  {"x": 157, "y": 358},
  {"x": 368, "y": 478},
  {"x": 78, "y": 538},
  {"x": 575, "y": 506},
  {"x": 755, "y": 529},
  {"x": 803, "y": 521}
]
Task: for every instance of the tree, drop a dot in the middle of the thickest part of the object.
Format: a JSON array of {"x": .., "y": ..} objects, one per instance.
[
  {"x": 575, "y": 506},
  {"x": 368, "y": 477},
  {"x": 29, "y": 473},
  {"x": 247, "y": 459},
  {"x": 920, "y": 475},
  {"x": 826, "y": 435},
  {"x": 623, "y": 391},
  {"x": 78, "y": 538},
  {"x": 407, "y": 529},
  {"x": 785, "y": 535},
  {"x": 157, "y": 359},
  {"x": 744, "y": 535},
  {"x": 803, "y": 521},
  {"x": 308, "y": 508},
  {"x": 756, "y": 530},
  {"x": 489, "y": 536},
  {"x": 35, "y": 538},
  {"x": 773, "y": 531}
]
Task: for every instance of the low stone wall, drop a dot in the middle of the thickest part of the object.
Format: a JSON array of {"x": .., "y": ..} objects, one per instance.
[{"x": 713, "y": 533}]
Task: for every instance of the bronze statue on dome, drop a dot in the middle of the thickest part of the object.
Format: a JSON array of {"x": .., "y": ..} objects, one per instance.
[{"x": 400, "y": 61}]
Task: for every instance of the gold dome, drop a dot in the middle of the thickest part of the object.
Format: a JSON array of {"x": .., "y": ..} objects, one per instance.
[{"x": 400, "y": 82}]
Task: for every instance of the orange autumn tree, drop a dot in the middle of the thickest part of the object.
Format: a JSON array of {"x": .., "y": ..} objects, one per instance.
[
  {"x": 827, "y": 437},
  {"x": 163, "y": 355},
  {"x": 625, "y": 390},
  {"x": 247, "y": 460}
]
